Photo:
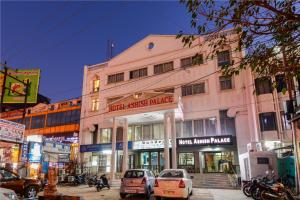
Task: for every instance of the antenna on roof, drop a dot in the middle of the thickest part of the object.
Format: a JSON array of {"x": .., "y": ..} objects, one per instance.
[{"x": 110, "y": 46}]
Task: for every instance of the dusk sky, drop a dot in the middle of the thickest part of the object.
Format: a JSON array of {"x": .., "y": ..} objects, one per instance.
[{"x": 61, "y": 37}]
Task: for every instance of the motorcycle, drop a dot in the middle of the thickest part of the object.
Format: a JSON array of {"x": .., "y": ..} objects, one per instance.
[
  {"x": 101, "y": 183},
  {"x": 277, "y": 192},
  {"x": 247, "y": 185},
  {"x": 77, "y": 179},
  {"x": 92, "y": 181}
]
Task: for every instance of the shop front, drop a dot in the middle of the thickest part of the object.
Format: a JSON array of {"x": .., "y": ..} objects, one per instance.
[
  {"x": 149, "y": 154},
  {"x": 214, "y": 154},
  {"x": 99, "y": 159},
  {"x": 11, "y": 139}
]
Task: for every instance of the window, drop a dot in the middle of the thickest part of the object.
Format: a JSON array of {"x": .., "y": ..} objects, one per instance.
[
  {"x": 138, "y": 133},
  {"x": 171, "y": 174},
  {"x": 178, "y": 129},
  {"x": 114, "y": 78},
  {"x": 225, "y": 82},
  {"x": 210, "y": 126},
  {"x": 119, "y": 136},
  {"x": 191, "y": 61},
  {"x": 96, "y": 85},
  {"x": 286, "y": 125},
  {"x": 158, "y": 131},
  {"x": 263, "y": 85},
  {"x": 163, "y": 68},
  {"x": 134, "y": 174},
  {"x": 193, "y": 89},
  {"x": 105, "y": 135},
  {"x": 188, "y": 128},
  {"x": 223, "y": 58},
  {"x": 199, "y": 127},
  {"x": 21, "y": 121},
  {"x": 38, "y": 121},
  {"x": 130, "y": 133},
  {"x": 267, "y": 121},
  {"x": 280, "y": 83},
  {"x": 147, "y": 132},
  {"x": 138, "y": 73},
  {"x": 95, "y": 104},
  {"x": 186, "y": 159},
  {"x": 227, "y": 123}
]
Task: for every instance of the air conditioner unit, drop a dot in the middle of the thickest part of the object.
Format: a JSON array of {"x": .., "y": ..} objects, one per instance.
[{"x": 254, "y": 146}]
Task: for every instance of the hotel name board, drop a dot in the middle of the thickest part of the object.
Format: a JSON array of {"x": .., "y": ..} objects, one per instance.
[
  {"x": 150, "y": 101},
  {"x": 204, "y": 141}
]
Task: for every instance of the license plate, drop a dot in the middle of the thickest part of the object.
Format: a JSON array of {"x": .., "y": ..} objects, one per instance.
[
  {"x": 130, "y": 191},
  {"x": 168, "y": 192}
]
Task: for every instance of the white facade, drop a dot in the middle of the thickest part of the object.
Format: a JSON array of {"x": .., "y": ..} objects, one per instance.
[{"x": 141, "y": 100}]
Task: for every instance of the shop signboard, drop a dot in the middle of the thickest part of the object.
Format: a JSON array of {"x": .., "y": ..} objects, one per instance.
[
  {"x": 55, "y": 147},
  {"x": 204, "y": 141},
  {"x": 150, "y": 144},
  {"x": 16, "y": 92},
  {"x": 11, "y": 131},
  {"x": 35, "y": 152},
  {"x": 64, "y": 158},
  {"x": 102, "y": 147},
  {"x": 24, "y": 154}
]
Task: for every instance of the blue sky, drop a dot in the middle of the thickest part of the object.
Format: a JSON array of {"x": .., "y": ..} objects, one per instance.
[{"x": 60, "y": 37}]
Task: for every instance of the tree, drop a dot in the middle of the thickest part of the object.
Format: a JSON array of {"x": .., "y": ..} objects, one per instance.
[{"x": 268, "y": 31}]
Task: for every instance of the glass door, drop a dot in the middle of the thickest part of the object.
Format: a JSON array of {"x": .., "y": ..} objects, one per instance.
[
  {"x": 154, "y": 161},
  {"x": 145, "y": 160}
]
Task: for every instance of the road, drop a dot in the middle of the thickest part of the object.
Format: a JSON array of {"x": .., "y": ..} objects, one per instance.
[{"x": 90, "y": 193}]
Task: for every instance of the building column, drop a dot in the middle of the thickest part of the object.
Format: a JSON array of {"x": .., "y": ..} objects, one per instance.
[
  {"x": 113, "y": 150},
  {"x": 125, "y": 146},
  {"x": 173, "y": 137},
  {"x": 166, "y": 141}
]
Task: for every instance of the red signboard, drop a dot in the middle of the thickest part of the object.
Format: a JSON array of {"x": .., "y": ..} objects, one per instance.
[{"x": 141, "y": 103}]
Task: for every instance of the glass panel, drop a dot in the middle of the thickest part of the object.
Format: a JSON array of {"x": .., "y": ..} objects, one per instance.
[
  {"x": 147, "y": 132},
  {"x": 210, "y": 126},
  {"x": 144, "y": 159},
  {"x": 178, "y": 129},
  {"x": 198, "y": 127},
  {"x": 186, "y": 159},
  {"x": 187, "y": 128},
  {"x": 138, "y": 133},
  {"x": 158, "y": 131},
  {"x": 154, "y": 158}
]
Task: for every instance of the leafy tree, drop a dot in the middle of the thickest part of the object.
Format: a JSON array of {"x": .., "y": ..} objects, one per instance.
[{"x": 268, "y": 31}]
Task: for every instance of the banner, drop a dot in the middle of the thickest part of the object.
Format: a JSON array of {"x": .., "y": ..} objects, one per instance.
[
  {"x": 11, "y": 131},
  {"x": 17, "y": 90}
]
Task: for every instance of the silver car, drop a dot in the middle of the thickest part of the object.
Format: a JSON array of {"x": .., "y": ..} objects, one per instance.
[{"x": 137, "y": 181}]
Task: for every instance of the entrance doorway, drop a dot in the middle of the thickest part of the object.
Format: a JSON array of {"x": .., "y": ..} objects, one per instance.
[
  {"x": 218, "y": 161},
  {"x": 152, "y": 160}
]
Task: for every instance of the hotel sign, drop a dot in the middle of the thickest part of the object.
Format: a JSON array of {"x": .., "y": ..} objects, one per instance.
[
  {"x": 150, "y": 144},
  {"x": 204, "y": 141},
  {"x": 140, "y": 103}
]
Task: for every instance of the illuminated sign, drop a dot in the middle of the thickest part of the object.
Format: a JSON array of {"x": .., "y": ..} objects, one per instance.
[
  {"x": 150, "y": 144},
  {"x": 11, "y": 131},
  {"x": 102, "y": 147},
  {"x": 151, "y": 101},
  {"x": 203, "y": 141},
  {"x": 35, "y": 152}
]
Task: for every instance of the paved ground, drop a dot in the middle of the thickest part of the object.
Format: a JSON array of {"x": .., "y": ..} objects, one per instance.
[{"x": 90, "y": 193}]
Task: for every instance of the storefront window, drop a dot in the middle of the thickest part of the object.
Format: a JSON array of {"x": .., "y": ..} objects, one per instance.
[
  {"x": 186, "y": 159},
  {"x": 38, "y": 121},
  {"x": 144, "y": 159},
  {"x": 105, "y": 136},
  {"x": 138, "y": 133}
]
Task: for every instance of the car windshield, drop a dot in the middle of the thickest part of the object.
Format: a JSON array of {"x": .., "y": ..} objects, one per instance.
[
  {"x": 134, "y": 174},
  {"x": 171, "y": 174}
]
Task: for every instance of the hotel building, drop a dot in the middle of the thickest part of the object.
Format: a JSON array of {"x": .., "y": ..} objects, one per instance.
[{"x": 152, "y": 106}]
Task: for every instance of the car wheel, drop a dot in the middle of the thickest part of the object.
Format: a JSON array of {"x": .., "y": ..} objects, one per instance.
[
  {"x": 30, "y": 192},
  {"x": 191, "y": 193},
  {"x": 122, "y": 195}
]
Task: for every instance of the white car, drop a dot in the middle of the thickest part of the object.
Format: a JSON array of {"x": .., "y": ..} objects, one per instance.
[
  {"x": 173, "y": 183},
  {"x": 7, "y": 194}
]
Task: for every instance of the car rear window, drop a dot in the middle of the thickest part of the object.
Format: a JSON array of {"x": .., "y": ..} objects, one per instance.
[
  {"x": 134, "y": 174},
  {"x": 171, "y": 174}
]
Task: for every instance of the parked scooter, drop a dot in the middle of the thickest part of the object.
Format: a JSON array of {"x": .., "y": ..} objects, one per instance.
[
  {"x": 77, "y": 179},
  {"x": 101, "y": 183},
  {"x": 92, "y": 181},
  {"x": 275, "y": 192}
]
